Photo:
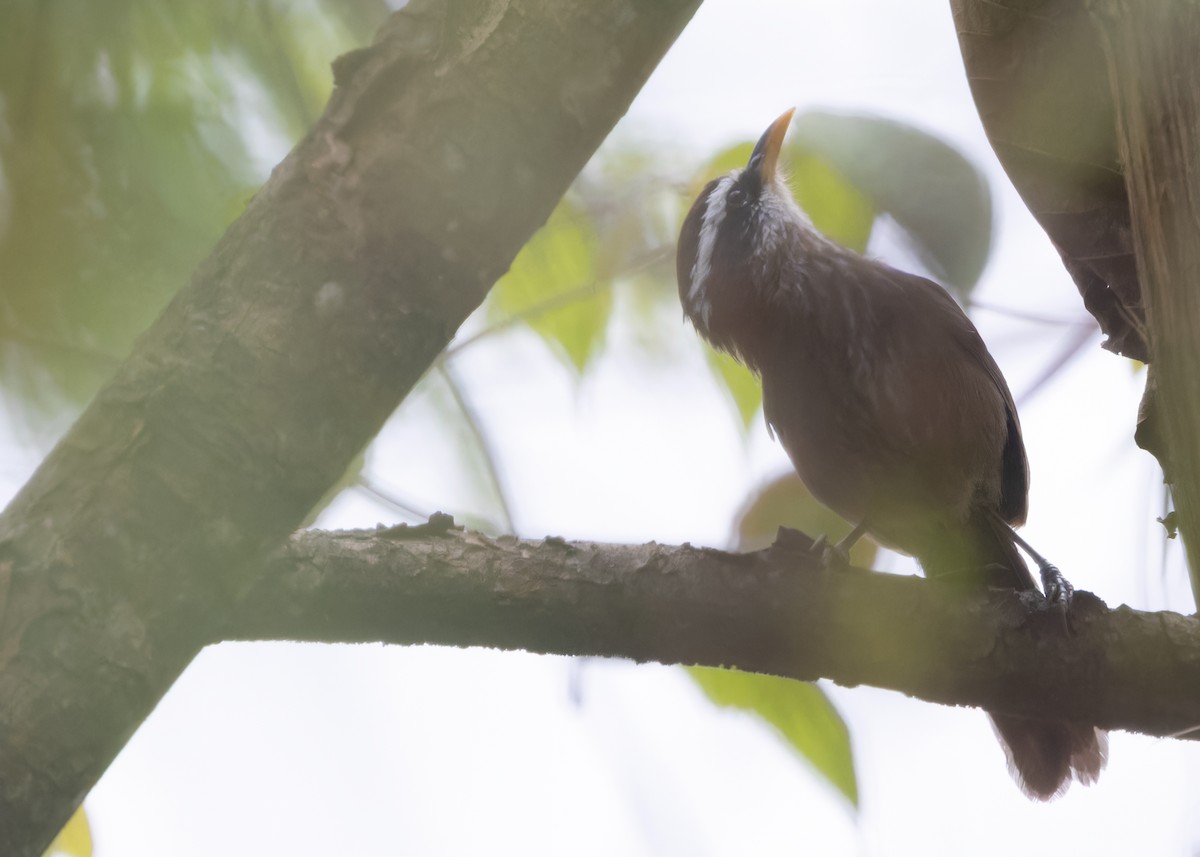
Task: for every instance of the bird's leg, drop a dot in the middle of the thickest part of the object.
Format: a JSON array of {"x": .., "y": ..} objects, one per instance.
[
  {"x": 839, "y": 554},
  {"x": 1058, "y": 589}
]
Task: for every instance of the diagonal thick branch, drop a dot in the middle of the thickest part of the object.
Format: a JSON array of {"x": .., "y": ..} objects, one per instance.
[
  {"x": 773, "y": 611},
  {"x": 443, "y": 148}
]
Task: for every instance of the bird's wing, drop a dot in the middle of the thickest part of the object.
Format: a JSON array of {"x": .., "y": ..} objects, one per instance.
[{"x": 1014, "y": 465}]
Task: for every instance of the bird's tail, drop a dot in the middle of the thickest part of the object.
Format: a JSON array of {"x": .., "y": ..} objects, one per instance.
[{"x": 1043, "y": 756}]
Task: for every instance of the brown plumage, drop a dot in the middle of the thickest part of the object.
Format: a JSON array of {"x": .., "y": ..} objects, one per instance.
[{"x": 886, "y": 399}]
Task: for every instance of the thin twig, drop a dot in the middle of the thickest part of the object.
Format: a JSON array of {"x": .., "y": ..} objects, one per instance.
[
  {"x": 558, "y": 301},
  {"x": 481, "y": 440},
  {"x": 1073, "y": 348},
  {"x": 1033, "y": 317},
  {"x": 549, "y": 305},
  {"x": 367, "y": 485}
]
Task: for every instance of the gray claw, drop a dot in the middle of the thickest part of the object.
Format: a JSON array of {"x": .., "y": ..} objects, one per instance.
[
  {"x": 1059, "y": 592},
  {"x": 831, "y": 556}
]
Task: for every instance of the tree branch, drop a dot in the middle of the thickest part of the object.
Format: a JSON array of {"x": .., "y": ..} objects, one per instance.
[
  {"x": 772, "y": 611},
  {"x": 1049, "y": 117},
  {"x": 444, "y": 146},
  {"x": 1150, "y": 49}
]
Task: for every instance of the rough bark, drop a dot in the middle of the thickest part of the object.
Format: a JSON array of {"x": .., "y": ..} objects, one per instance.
[
  {"x": 1032, "y": 67},
  {"x": 443, "y": 148},
  {"x": 1107, "y": 164},
  {"x": 772, "y": 611},
  {"x": 1154, "y": 72}
]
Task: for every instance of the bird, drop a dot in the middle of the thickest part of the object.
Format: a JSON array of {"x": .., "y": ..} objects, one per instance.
[{"x": 888, "y": 403}]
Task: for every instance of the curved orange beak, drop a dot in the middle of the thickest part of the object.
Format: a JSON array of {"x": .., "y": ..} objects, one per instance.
[{"x": 765, "y": 158}]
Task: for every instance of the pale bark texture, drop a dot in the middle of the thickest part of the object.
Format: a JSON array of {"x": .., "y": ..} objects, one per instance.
[
  {"x": 1152, "y": 49},
  {"x": 774, "y": 611},
  {"x": 149, "y": 531},
  {"x": 444, "y": 146},
  {"x": 1034, "y": 72},
  {"x": 1106, "y": 160}
]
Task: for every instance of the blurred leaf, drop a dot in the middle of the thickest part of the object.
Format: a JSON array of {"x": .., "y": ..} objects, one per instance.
[
  {"x": 785, "y": 502},
  {"x": 741, "y": 384},
  {"x": 553, "y": 285},
  {"x": 834, "y": 205},
  {"x": 361, "y": 17},
  {"x": 631, "y": 196},
  {"x": 800, "y": 711},
  {"x": 75, "y": 839},
  {"x": 632, "y": 204},
  {"x": 931, "y": 190},
  {"x": 725, "y": 161},
  {"x": 131, "y": 133}
]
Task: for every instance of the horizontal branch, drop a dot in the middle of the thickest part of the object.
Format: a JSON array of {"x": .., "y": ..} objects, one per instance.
[{"x": 774, "y": 611}]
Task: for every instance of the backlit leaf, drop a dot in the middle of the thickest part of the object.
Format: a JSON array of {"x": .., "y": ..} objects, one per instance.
[
  {"x": 786, "y": 502},
  {"x": 725, "y": 161},
  {"x": 835, "y": 206},
  {"x": 801, "y": 712},
  {"x": 934, "y": 193},
  {"x": 74, "y": 840},
  {"x": 553, "y": 287},
  {"x": 743, "y": 387}
]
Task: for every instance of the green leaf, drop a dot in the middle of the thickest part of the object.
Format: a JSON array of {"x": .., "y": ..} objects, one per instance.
[
  {"x": 800, "y": 711},
  {"x": 553, "y": 287},
  {"x": 934, "y": 193},
  {"x": 741, "y": 384},
  {"x": 786, "y": 502},
  {"x": 74, "y": 840},
  {"x": 126, "y": 154},
  {"x": 725, "y": 161},
  {"x": 835, "y": 206}
]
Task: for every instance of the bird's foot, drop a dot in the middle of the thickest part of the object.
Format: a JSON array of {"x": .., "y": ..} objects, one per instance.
[
  {"x": 832, "y": 556},
  {"x": 838, "y": 555},
  {"x": 1058, "y": 590}
]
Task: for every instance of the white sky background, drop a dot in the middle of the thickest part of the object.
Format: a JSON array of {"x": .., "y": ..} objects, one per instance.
[{"x": 317, "y": 750}]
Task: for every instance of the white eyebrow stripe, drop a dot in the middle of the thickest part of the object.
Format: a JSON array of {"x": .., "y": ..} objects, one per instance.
[{"x": 714, "y": 215}]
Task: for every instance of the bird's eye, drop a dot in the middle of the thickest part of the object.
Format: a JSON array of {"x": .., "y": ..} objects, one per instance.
[{"x": 736, "y": 198}]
